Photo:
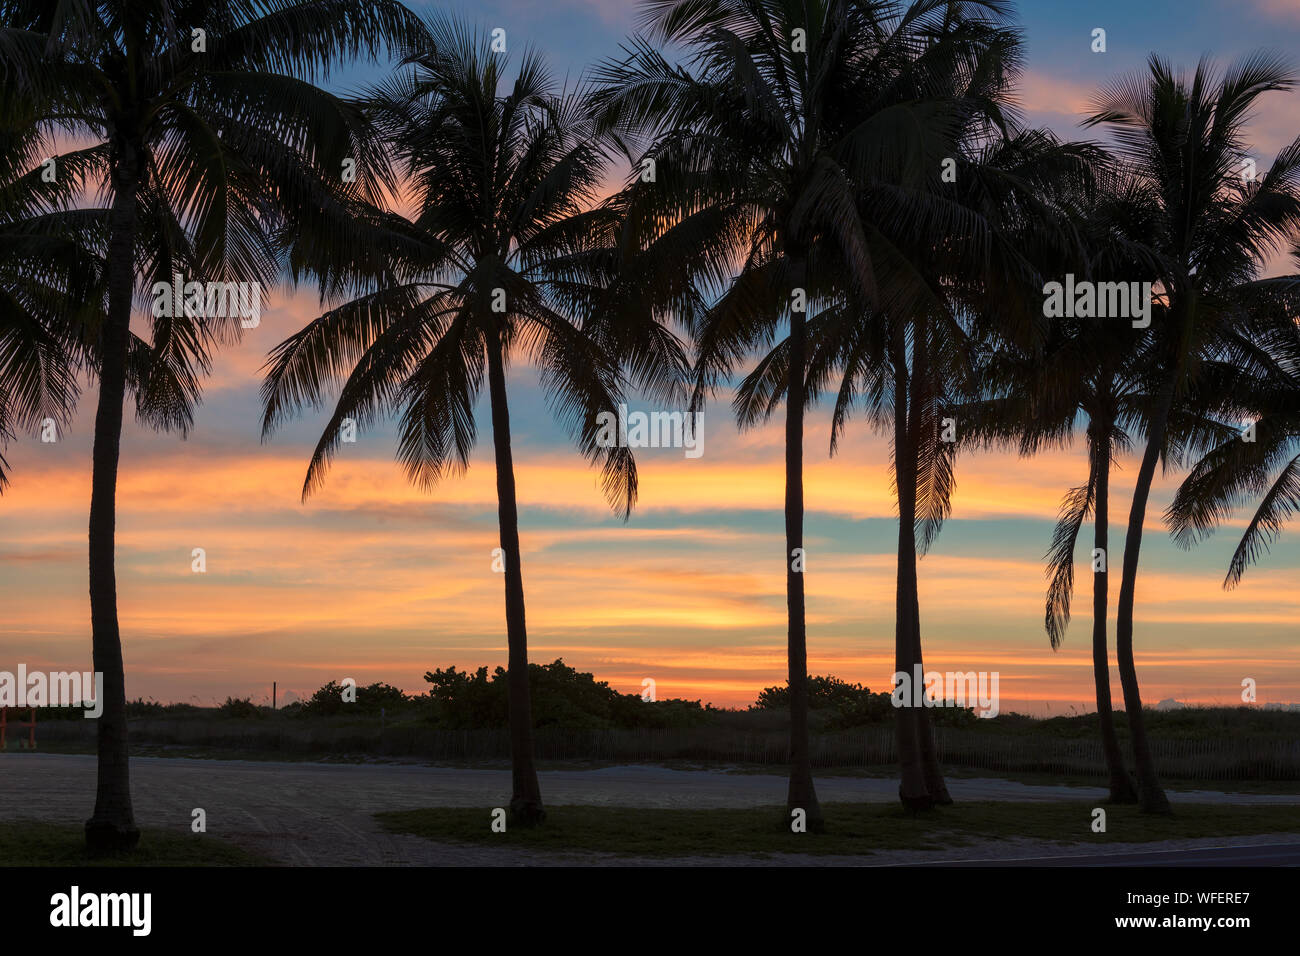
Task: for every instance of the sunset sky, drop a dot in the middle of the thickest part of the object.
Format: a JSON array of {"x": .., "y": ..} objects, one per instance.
[{"x": 374, "y": 579}]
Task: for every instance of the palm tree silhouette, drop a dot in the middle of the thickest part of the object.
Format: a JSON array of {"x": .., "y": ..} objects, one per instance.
[
  {"x": 1107, "y": 399},
  {"x": 777, "y": 204},
  {"x": 1181, "y": 139},
  {"x": 909, "y": 369},
  {"x": 509, "y": 254},
  {"x": 1089, "y": 367},
  {"x": 204, "y": 131}
]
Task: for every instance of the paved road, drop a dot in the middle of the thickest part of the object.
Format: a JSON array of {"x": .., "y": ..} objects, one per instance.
[{"x": 320, "y": 814}]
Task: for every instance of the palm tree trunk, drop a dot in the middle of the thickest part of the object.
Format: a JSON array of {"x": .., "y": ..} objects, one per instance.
[
  {"x": 1151, "y": 797},
  {"x": 912, "y": 789},
  {"x": 1121, "y": 786},
  {"x": 526, "y": 796},
  {"x": 111, "y": 827},
  {"x": 934, "y": 781},
  {"x": 802, "y": 794}
]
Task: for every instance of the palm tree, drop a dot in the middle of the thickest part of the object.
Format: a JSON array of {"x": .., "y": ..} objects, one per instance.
[
  {"x": 911, "y": 369},
  {"x": 975, "y": 245},
  {"x": 1109, "y": 395},
  {"x": 1091, "y": 368},
  {"x": 777, "y": 206},
  {"x": 508, "y": 256},
  {"x": 204, "y": 135},
  {"x": 1104, "y": 375},
  {"x": 1182, "y": 141}
]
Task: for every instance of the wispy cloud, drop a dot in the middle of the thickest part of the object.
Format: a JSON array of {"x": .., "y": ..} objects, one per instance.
[{"x": 1281, "y": 11}]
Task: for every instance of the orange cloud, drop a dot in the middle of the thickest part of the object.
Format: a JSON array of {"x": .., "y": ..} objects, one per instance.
[{"x": 1045, "y": 93}]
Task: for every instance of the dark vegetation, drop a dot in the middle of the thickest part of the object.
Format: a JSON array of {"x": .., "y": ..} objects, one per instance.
[
  {"x": 33, "y": 843},
  {"x": 850, "y": 828},
  {"x": 462, "y": 717}
]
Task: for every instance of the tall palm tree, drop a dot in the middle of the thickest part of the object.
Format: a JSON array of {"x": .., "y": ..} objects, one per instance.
[
  {"x": 205, "y": 126},
  {"x": 910, "y": 369},
  {"x": 509, "y": 256},
  {"x": 977, "y": 244},
  {"x": 1182, "y": 140},
  {"x": 1109, "y": 396},
  {"x": 765, "y": 144},
  {"x": 1089, "y": 368}
]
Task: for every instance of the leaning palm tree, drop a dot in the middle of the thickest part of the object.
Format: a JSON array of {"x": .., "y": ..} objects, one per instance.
[
  {"x": 1110, "y": 395},
  {"x": 1181, "y": 139},
  {"x": 509, "y": 256},
  {"x": 1088, "y": 368},
  {"x": 205, "y": 131}
]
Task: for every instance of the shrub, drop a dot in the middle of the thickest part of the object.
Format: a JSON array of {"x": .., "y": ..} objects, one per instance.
[
  {"x": 561, "y": 696},
  {"x": 852, "y": 705},
  {"x": 328, "y": 701},
  {"x": 239, "y": 707},
  {"x": 152, "y": 708}
]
